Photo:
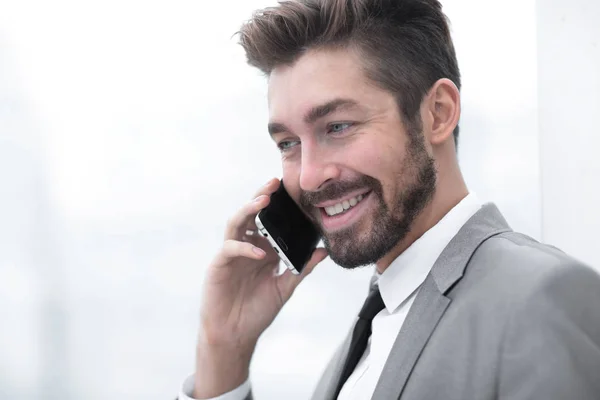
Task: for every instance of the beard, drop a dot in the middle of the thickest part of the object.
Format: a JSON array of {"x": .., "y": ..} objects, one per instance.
[{"x": 351, "y": 248}]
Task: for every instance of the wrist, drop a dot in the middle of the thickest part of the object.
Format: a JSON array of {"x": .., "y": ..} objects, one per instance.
[{"x": 220, "y": 368}]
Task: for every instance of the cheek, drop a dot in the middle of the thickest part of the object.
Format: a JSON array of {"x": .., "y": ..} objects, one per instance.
[
  {"x": 291, "y": 177},
  {"x": 384, "y": 163},
  {"x": 375, "y": 160}
]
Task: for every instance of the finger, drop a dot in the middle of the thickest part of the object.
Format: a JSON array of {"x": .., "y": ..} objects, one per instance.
[
  {"x": 236, "y": 227},
  {"x": 249, "y": 234},
  {"x": 258, "y": 241},
  {"x": 269, "y": 187},
  {"x": 235, "y": 249},
  {"x": 289, "y": 282},
  {"x": 251, "y": 226}
]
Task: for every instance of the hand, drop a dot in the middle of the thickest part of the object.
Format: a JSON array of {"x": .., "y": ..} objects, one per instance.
[{"x": 242, "y": 296}]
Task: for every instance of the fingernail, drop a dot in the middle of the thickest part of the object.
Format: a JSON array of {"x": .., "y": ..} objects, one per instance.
[
  {"x": 259, "y": 252},
  {"x": 259, "y": 198}
]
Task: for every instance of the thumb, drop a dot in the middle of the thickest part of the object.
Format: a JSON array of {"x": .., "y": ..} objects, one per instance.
[{"x": 289, "y": 282}]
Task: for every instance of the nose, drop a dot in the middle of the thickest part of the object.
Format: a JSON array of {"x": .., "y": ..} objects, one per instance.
[{"x": 317, "y": 168}]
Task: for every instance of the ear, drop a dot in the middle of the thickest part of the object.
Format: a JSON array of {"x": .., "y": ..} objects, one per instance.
[{"x": 443, "y": 107}]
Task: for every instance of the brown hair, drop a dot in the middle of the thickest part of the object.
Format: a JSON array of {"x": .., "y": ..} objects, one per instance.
[{"x": 406, "y": 44}]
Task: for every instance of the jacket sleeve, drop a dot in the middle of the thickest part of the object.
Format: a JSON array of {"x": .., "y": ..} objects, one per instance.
[{"x": 551, "y": 344}]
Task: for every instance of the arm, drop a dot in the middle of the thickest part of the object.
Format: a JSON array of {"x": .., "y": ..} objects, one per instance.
[
  {"x": 242, "y": 296},
  {"x": 551, "y": 348}
]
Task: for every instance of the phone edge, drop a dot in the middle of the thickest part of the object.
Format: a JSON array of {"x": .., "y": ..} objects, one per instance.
[{"x": 267, "y": 235}]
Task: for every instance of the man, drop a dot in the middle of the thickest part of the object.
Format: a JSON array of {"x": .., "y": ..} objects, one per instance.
[{"x": 364, "y": 106}]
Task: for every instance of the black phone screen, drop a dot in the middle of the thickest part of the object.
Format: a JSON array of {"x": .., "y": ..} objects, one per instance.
[{"x": 293, "y": 232}]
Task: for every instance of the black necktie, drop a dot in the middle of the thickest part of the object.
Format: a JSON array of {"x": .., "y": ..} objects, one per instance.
[{"x": 360, "y": 335}]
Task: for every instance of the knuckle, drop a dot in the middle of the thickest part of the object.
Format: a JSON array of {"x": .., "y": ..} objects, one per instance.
[
  {"x": 228, "y": 248},
  {"x": 250, "y": 207},
  {"x": 229, "y": 244},
  {"x": 234, "y": 248}
]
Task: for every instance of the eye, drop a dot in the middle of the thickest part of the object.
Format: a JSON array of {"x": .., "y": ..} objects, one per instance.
[
  {"x": 286, "y": 145},
  {"x": 338, "y": 127}
]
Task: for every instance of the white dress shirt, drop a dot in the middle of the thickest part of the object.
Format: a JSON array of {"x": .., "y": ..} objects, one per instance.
[{"x": 398, "y": 285}]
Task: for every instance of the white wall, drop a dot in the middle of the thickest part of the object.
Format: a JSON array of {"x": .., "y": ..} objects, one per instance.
[
  {"x": 569, "y": 108},
  {"x": 499, "y": 149}
]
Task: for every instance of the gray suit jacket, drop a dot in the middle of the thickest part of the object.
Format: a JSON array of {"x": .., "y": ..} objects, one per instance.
[{"x": 500, "y": 316}]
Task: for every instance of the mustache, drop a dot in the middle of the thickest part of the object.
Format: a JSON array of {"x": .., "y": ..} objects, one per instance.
[{"x": 338, "y": 189}]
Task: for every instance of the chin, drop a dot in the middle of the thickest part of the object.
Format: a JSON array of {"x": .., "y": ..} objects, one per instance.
[
  {"x": 350, "y": 249},
  {"x": 361, "y": 246}
]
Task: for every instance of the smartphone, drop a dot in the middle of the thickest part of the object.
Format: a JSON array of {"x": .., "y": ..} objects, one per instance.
[{"x": 289, "y": 231}]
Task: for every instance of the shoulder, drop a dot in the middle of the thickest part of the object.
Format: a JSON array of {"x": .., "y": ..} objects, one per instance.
[
  {"x": 523, "y": 251},
  {"x": 521, "y": 259},
  {"x": 525, "y": 271}
]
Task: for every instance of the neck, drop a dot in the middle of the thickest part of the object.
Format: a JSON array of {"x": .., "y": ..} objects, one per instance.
[{"x": 438, "y": 207}]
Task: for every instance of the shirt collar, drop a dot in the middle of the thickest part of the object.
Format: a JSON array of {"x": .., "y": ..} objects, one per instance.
[{"x": 408, "y": 271}]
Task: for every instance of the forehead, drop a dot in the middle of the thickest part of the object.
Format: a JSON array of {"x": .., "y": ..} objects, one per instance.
[{"x": 316, "y": 78}]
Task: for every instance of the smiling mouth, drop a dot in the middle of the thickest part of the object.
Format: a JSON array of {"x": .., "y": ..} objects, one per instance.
[{"x": 344, "y": 206}]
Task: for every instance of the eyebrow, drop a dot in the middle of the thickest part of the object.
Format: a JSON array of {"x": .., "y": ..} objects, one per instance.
[{"x": 316, "y": 113}]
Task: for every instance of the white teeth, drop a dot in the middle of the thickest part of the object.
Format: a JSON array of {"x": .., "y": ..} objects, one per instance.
[{"x": 343, "y": 206}]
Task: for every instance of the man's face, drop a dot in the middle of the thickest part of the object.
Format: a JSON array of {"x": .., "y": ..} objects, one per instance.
[{"x": 348, "y": 159}]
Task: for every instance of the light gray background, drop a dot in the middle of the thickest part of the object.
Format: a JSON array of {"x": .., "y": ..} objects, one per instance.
[{"x": 130, "y": 132}]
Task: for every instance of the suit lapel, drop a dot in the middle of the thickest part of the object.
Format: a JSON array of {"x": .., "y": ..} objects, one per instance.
[
  {"x": 428, "y": 308},
  {"x": 431, "y": 301}
]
